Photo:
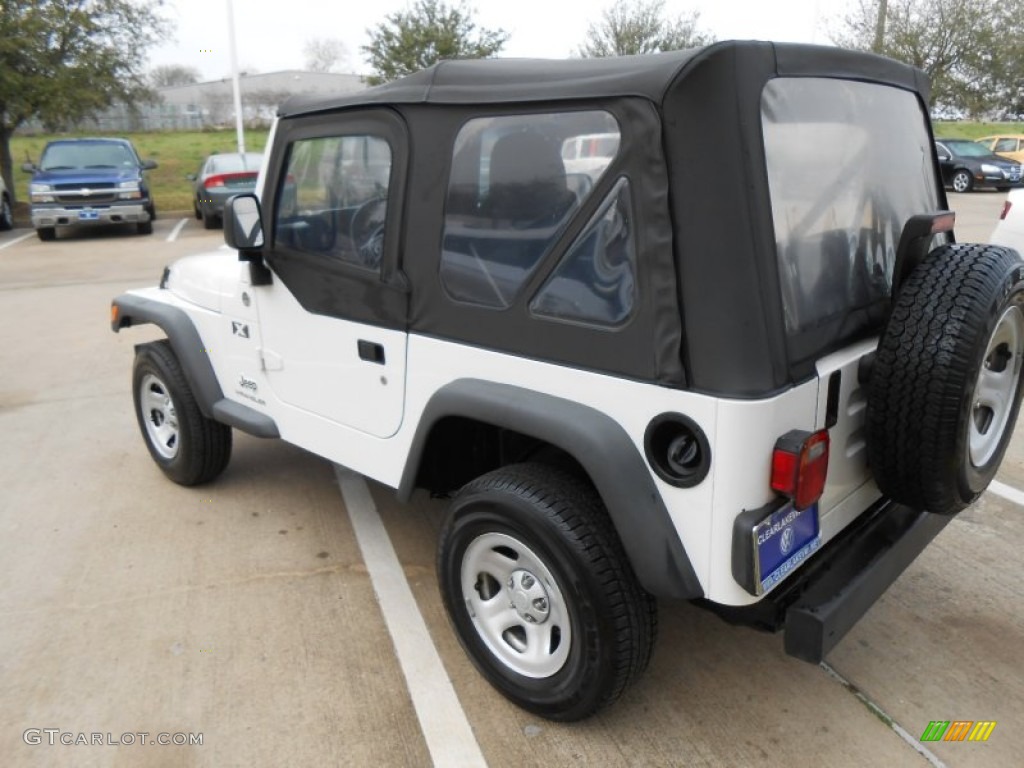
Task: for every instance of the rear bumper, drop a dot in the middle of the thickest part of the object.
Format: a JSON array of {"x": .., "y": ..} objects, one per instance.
[{"x": 817, "y": 606}]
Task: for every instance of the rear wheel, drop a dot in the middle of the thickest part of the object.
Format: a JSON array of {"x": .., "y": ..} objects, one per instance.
[
  {"x": 47, "y": 233},
  {"x": 962, "y": 181},
  {"x": 945, "y": 387},
  {"x": 188, "y": 447},
  {"x": 144, "y": 227},
  {"x": 209, "y": 220},
  {"x": 540, "y": 592}
]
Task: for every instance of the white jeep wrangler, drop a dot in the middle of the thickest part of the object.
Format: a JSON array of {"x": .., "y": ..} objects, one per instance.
[{"x": 743, "y": 362}]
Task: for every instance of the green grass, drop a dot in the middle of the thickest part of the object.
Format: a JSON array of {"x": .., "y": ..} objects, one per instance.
[
  {"x": 964, "y": 130},
  {"x": 178, "y": 153}
]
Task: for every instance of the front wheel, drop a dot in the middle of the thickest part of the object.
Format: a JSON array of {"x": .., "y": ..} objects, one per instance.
[
  {"x": 188, "y": 447},
  {"x": 540, "y": 591},
  {"x": 962, "y": 181}
]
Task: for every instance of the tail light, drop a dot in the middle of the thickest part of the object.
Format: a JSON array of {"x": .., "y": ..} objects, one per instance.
[
  {"x": 222, "y": 179},
  {"x": 1006, "y": 209},
  {"x": 800, "y": 465}
]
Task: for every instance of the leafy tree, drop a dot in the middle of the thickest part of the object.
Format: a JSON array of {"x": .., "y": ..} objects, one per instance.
[
  {"x": 325, "y": 54},
  {"x": 431, "y": 30},
  {"x": 63, "y": 60},
  {"x": 640, "y": 26},
  {"x": 971, "y": 49},
  {"x": 173, "y": 74}
]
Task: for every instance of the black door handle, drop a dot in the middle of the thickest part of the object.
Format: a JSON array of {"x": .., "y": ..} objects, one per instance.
[{"x": 371, "y": 351}]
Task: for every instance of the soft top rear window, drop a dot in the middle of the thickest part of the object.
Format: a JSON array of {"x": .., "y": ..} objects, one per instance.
[{"x": 848, "y": 163}]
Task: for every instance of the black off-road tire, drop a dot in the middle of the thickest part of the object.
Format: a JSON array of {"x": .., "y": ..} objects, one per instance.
[
  {"x": 188, "y": 447},
  {"x": 935, "y": 431},
  {"x": 46, "y": 234},
  {"x": 600, "y": 623}
]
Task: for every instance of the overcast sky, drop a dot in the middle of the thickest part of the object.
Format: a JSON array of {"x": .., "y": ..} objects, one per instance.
[{"x": 271, "y": 33}]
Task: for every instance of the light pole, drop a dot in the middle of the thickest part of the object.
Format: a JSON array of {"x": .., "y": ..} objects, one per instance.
[
  {"x": 883, "y": 7},
  {"x": 234, "y": 79}
]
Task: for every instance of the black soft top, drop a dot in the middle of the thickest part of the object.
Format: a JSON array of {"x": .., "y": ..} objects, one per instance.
[{"x": 650, "y": 76}]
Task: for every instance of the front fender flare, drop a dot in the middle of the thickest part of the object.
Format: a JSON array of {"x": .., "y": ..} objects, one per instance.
[
  {"x": 195, "y": 362},
  {"x": 601, "y": 446}
]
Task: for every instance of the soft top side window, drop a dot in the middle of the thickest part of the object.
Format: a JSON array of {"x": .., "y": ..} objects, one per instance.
[
  {"x": 515, "y": 182},
  {"x": 333, "y": 198}
]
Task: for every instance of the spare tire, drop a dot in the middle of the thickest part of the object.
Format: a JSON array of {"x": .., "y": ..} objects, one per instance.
[{"x": 945, "y": 385}]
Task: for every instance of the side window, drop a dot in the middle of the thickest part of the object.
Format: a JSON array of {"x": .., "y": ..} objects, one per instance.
[
  {"x": 595, "y": 282},
  {"x": 510, "y": 194},
  {"x": 333, "y": 199},
  {"x": 1005, "y": 145}
]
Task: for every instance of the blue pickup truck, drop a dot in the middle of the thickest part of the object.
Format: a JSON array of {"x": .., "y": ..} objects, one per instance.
[{"x": 90, "y": 181}]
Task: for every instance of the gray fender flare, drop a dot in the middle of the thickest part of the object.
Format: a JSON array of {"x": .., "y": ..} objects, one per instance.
[
  {"x": 195, "y": 361},
  {"x": 603, "y": 449}
]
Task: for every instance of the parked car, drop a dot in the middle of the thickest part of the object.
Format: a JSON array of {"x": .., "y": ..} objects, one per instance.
[
  {"x": 966, "y": 164},
  {"x": 1010, "y": 229},
  {"x": 1009, "y": 146},
  {"x": 6, "y": 209},
  {"x": 87, "y": 182},
  {"x": 712, "y": 375},
  {"x": 590, "y": 153},
  {"x": 221, "y": 176}
]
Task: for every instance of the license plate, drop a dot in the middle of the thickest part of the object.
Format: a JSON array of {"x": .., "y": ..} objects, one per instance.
[
  {"x": 88, "y": 215},
  {"x": 783, "y": 541}
]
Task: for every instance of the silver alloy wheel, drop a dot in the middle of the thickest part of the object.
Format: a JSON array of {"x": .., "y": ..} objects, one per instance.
[
  {"x": 996, "y": 387},
  {"x": 961, "y": 181},
  {"x": 159, "y": 416},
  {"x": 516, "y": 606}
]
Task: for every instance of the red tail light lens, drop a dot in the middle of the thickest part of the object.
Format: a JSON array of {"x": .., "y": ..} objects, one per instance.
[
  {"x": 800, "y": 466},
  {"x": 214, "y": 181},
  {"x": 1006, "y": 209}
]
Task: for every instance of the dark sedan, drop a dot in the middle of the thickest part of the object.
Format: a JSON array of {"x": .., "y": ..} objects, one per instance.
[
  {"x": 967, "y": 164},
  {"x": 221, "y": 177}
]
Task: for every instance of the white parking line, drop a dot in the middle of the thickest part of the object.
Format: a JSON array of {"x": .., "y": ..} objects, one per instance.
[
  {"x": 16, "y": 240},
  {"x": 878, "y": 712},
  {"x": 177, "y": 229},
  {"x": 445, "y": 728},
  {"x": 1008, "y": 492}
]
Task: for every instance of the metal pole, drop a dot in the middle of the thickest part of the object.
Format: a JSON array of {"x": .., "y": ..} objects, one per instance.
[
  {"x": 883, "y": 7},
  {"x": 234, "y": 78}
]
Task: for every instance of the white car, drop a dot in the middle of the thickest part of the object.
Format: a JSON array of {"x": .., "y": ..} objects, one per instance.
[
  {"x": 629, "y": 389},
  {"x": 1010, "y": 229},
  {"x": 6, "y": 212}
]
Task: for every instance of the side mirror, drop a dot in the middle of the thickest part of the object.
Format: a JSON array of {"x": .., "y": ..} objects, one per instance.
[
  {"x": 243, "y": 228},
  {"x": 149, "y": 165},
  {"x": 944, "y": 157},
  {"x": 28, "y": 167}
]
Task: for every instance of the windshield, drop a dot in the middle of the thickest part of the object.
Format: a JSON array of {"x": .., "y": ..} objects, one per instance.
[
  {"x": 87, "y": 155},
  {"x": 968, "y": 148},
  {"x": 848, "y": 164}
]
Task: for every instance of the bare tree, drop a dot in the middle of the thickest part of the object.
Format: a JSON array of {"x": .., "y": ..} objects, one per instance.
[
  {"x": 641, "y": 26},
  {"x": 325, "y": 54},
  {"x": 173, "y": 74}
]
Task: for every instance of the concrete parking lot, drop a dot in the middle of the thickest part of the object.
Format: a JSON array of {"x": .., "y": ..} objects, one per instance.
[{"x": 250, "y": 612}]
